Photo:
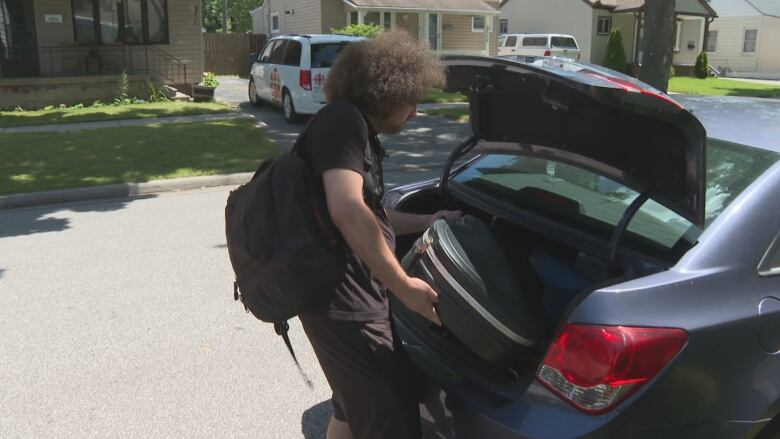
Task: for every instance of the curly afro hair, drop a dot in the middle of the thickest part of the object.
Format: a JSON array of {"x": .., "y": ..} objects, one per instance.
[{"x": 376, "y": 75}]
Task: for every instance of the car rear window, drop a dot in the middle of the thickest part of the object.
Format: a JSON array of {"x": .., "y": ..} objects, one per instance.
[
  {"x": 323, "y": 55},
  {"x": 591, "y": 202},
  {"x": 563, "y": 42},
  {"x": 535, "y": 42}
]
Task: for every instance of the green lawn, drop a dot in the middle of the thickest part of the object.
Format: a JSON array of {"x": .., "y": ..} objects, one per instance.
[
  {"x": 109, "y": 112},
  {"x": 460, "y": 114},
  {"x": 42, "y": 161},
  {"x": 437, "y": 96},
  {"x": 722, "y": 87}
]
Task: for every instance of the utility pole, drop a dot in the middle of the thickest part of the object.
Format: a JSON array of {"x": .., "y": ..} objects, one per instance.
[{"x": 224, "y": 16}]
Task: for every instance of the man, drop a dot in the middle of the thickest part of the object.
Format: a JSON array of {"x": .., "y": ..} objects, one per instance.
[{"x": 373, "y": 87}]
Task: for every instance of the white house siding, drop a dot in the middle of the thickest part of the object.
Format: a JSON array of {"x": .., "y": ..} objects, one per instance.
[
  {"x": 300, "y": 16},
  {"x": 572, "y": 17},
  {"x": 333, "y": 15},
  {"x": 691, "y": 32},
  {"x": 53, "y": 35},
  {"x": 728, "y": 51},
  {"x": 625, "y": 22},
  {"x": 185, "y": 30},
  {"x": 732, "y": 8},
  {"x": 258, "y": 21},
  {"x": 457, "y": 35},
  {"x": 409, "y": 22},
  {"x": 769, "y": 47}
]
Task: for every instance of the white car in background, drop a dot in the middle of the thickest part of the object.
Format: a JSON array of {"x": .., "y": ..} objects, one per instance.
[
  {"x": 560, "y": 45},
  {"x": 291, "y": 69}
]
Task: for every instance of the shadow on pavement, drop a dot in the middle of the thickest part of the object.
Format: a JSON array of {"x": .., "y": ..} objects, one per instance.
[
  {"x": 314, "y": 423},
  {"x": 42, "y": 219}
]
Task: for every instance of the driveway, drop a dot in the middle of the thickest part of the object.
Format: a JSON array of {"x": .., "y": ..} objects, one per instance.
[{"x": 418, "y": 152}]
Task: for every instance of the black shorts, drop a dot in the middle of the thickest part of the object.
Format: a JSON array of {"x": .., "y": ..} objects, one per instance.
[{"x": 375, "y": 388}]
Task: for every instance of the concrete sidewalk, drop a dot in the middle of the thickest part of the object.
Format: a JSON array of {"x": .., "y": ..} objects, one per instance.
[{"x": 121, "y": 123}]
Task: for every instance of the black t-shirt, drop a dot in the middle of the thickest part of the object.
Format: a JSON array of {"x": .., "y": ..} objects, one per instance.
[{"x": 340, "y": 137}]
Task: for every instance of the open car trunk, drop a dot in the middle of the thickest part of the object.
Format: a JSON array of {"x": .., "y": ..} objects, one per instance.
[
  {"x": 553, "y": 277},
  {"x": 572, "y": 116}
]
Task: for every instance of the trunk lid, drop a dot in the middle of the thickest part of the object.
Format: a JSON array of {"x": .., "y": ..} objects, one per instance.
[{"x": 592, "y": 117}]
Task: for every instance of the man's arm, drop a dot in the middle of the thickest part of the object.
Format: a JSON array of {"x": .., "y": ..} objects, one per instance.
[
  {"x": 404, "y": 223},
  {"x": 358, "y": 226}
]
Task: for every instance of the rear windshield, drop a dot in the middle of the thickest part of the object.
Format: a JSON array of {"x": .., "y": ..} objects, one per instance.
[
  {"x": 563, "y": 42},
  {"x": 323, "y": 55},
  {"x": 594, "y": 203}
]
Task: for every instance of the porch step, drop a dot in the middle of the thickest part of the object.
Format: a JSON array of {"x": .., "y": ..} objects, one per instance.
[{"x": 175, "y": 95}]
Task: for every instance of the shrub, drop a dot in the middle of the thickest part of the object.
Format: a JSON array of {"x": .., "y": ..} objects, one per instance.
[
  {"x": 209, "y": 80},
  {"x": 359, "y": 30},
  {"x": 702, "y": 67},
  {"x": 616, "y": 54},
  {"x": 122, "y": 90},
  {"x": 156, "y": 94}
]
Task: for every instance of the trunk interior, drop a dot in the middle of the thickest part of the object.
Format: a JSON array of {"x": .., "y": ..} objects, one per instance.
[{"x": 555, "y": 276}]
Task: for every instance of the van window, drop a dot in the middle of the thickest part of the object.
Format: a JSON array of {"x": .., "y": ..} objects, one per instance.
[
  {"x": 292, "y": 57},
  {"x": 510, "y": 41},
  {"x": 277, "y": 53},
  {"x": 563, "y": 42},
  {"x": 535, "y": 42},
  {"x": 323, "y": 55},
  {"x": 266, "y": 55}
]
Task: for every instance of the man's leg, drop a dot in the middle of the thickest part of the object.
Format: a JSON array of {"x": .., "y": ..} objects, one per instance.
[{"x": 338, "y": 429}]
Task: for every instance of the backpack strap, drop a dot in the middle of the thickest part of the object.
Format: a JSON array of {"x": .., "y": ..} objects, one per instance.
[{"x": 282, "y": 328}]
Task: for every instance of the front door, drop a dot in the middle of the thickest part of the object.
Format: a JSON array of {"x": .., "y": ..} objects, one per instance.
[{"x": 18, "y": 47}]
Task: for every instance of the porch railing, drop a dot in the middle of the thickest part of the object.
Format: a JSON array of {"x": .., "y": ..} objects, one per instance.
[{"x": 160, "y": 65}]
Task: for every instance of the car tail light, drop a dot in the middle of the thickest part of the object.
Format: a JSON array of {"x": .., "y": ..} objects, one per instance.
[
  {"x": 633, "y": 88},
  {"x": 547, "y": 53},
  {"x": 596, "y": 367},
  {"x": 306, "y": 79}
]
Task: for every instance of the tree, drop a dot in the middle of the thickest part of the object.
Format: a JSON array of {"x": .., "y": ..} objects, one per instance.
[
  {"x": 658, "y": 43},
  {"x": 239, "y": 19},
  {"x": 359, "y": 30},
  {"x": 616, "y": 54},
  {"x": 702, "y": 67}
]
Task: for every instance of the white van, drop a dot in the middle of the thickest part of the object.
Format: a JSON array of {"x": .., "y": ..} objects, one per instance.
[
  {"x": 564, "y": 46},
  {"x": 290, "y": 72}
]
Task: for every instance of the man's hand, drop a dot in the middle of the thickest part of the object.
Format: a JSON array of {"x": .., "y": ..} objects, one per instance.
[
  {"x": 419, "y": 297},
  {"x": 449, "y": 215}
]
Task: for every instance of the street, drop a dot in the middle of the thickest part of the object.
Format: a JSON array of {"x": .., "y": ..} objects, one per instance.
[{"x": 117, "y": 316}]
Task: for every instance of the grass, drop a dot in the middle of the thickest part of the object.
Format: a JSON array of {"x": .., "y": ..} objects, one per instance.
[
  {"x": 722, "y": 87},
  {"x": 43, "y": 161},
  {"x": 460, "y": 114},
  {"x": 437, "y": 96},
  {"x": 109, "y": 112}
]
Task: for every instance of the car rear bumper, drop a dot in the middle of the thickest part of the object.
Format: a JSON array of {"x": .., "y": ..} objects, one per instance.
[{"x": 304, "y": 102}]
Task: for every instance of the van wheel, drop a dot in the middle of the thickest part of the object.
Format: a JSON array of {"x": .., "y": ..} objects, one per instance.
[
  {"x": 253, "y": 98},
  {"x": 288, "y": 108}
]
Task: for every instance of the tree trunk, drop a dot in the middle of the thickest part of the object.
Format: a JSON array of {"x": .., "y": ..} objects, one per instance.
[{"x": 658, "y": 44}]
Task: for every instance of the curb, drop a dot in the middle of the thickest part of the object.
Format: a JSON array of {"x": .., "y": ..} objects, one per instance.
[
  {"x": 121, "y": 190},
  {"x": 119, "y": 123}
]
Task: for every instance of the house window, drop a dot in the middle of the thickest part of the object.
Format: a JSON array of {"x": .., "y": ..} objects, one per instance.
[
  {"x": 388, "y": 20},
  {"x": 604, "y": 25},
  {"x": 120, "y": 21},
  {"x": 712, "y": 41},
  {"x": 275, "y": 22},
  {"x": 751, "y": 35},
  {"x": 478, "y": 24},
  {"x": 677, "y": 35},
  {"x": 353, "y": 17},
  {"x": 503, "y": 26}
]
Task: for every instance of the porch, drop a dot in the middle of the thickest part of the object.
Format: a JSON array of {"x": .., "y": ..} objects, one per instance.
[{"x": 446, "y": 31}]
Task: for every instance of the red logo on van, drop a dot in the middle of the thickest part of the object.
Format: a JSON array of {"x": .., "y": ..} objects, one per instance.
[{"x": 319, "y": 79}]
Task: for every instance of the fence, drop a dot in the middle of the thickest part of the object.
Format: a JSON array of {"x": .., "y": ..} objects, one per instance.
[{"x": 228, "y": 54}]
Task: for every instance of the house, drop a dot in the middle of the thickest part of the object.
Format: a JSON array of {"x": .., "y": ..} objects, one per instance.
[
  {"x": 590, "y": 22},
  {"x": 745, "y": 39},
  {"x": 450, "y": 26},
  {"x": 73, "y": 51}
]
